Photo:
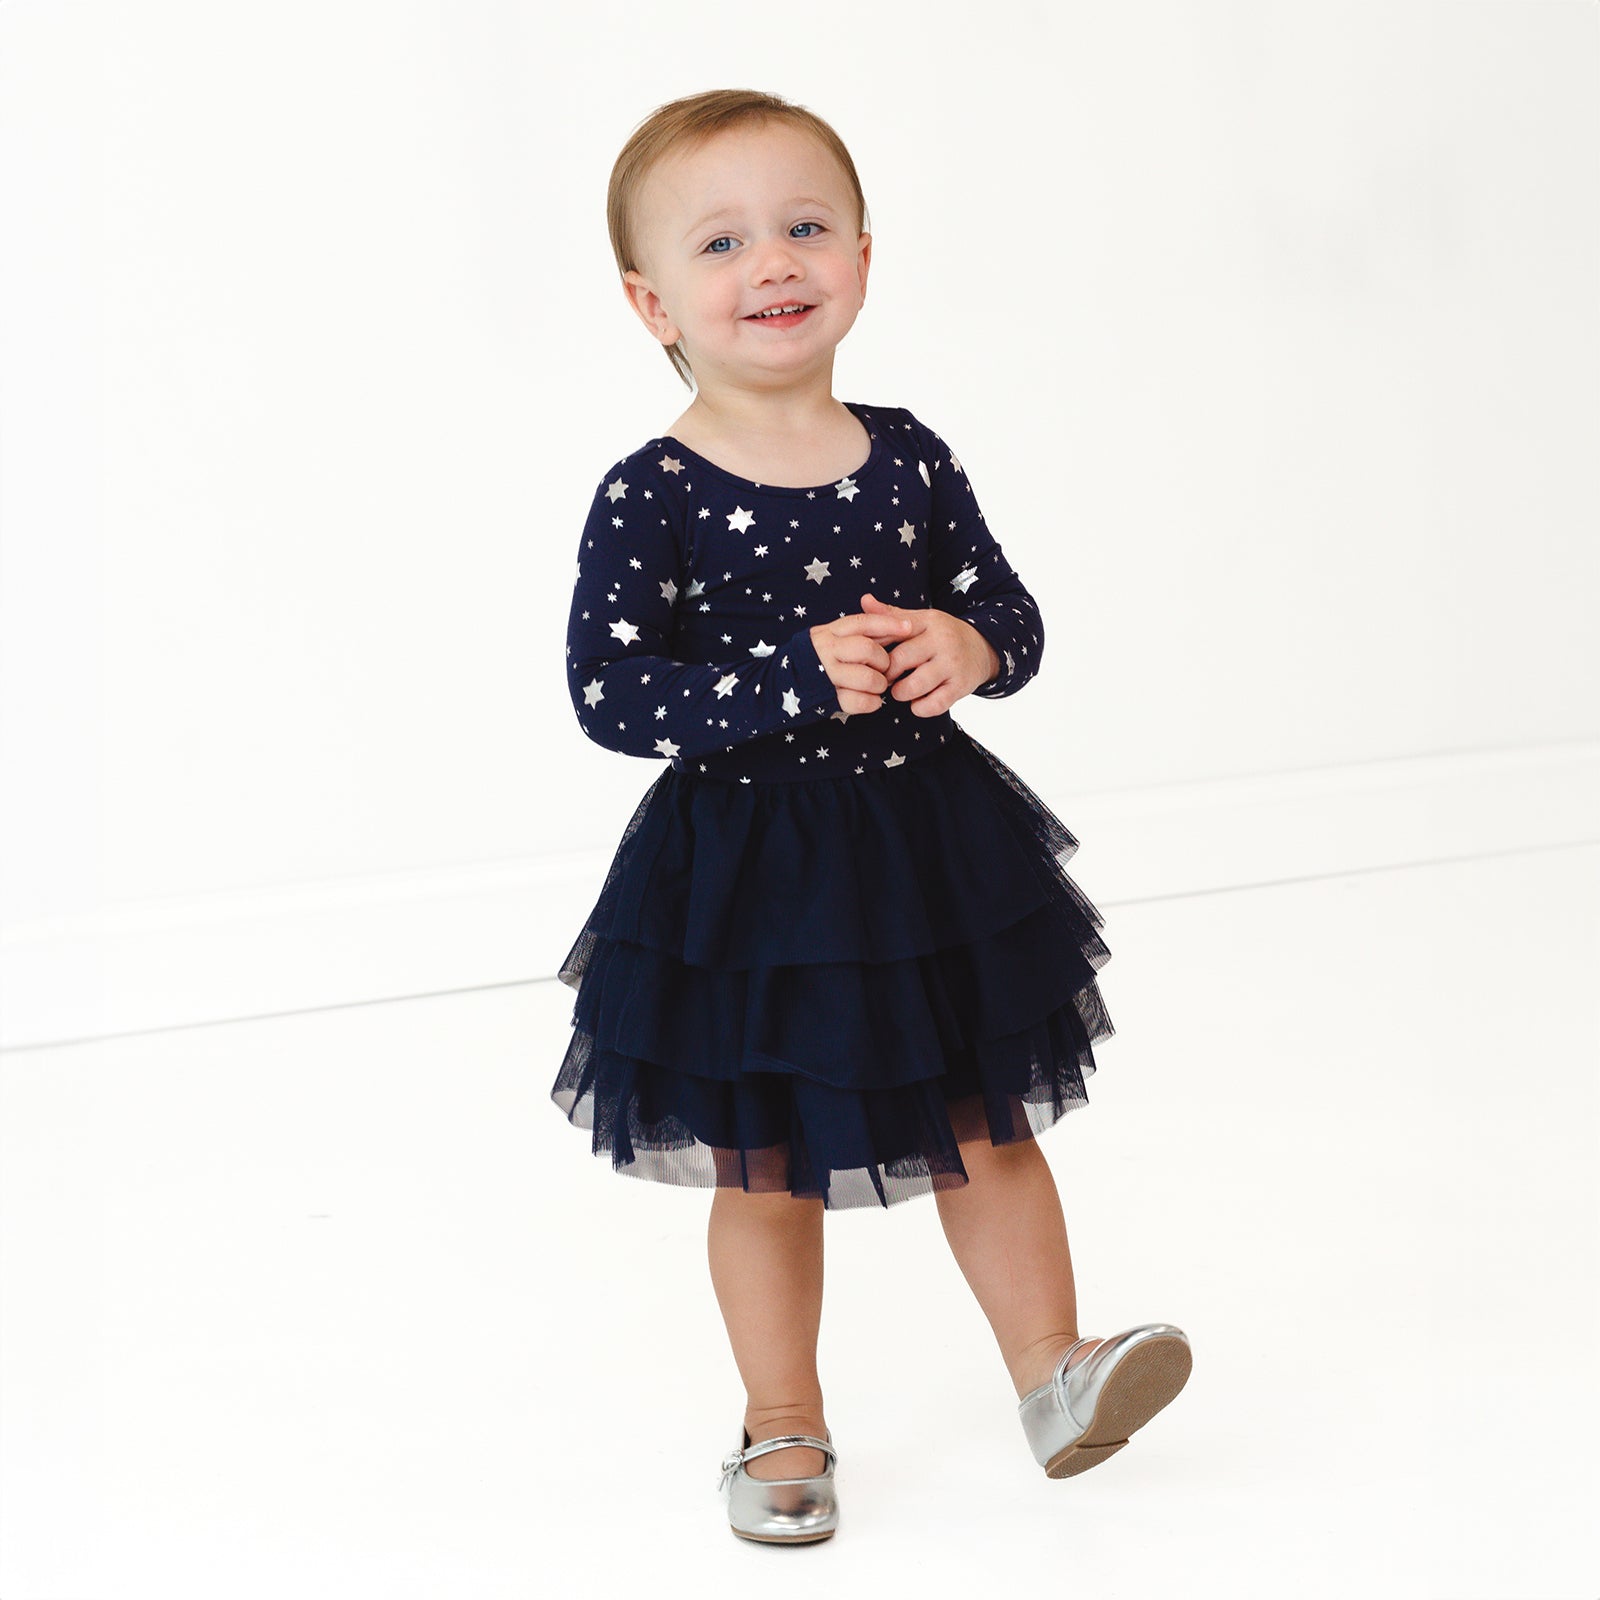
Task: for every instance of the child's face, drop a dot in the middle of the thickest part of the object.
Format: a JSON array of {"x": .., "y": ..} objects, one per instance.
[{"x": 755, "y": 217}]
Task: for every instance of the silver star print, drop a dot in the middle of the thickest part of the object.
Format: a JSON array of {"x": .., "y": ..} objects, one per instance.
[
  {"x": 816, "y": 571},
  {"x": 616, "y": 490},
  {"x": 847, "y": 488},
  {"x": 740, "y": 519},
  {"x": 626, "y": 631},
  {"x": 667, "y": 464},
  {"x": 964, "y": 579}
]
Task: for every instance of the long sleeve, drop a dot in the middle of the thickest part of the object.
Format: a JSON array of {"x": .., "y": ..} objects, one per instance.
[
  {"x": 971, "y": 577},
  {"x": 630, "y": 693}
]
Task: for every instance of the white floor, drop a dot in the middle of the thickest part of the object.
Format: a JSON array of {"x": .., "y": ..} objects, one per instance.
[{"x": 339, "y": 1305}]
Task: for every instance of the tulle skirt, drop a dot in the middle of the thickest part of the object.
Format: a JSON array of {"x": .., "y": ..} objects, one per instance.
[{"x": 825, "y": 987}]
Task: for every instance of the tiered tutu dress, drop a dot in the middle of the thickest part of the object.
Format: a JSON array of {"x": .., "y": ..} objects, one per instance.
[{"x": 829, "y": 948}]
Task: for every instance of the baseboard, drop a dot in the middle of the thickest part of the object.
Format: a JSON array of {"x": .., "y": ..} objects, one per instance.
[{"x": 233, "y": 957}]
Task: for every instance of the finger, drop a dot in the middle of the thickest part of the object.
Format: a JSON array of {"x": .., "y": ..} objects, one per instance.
[
  {"x": 928, "y": 691},
  {"x": 882, "y": 607},
  {"x": 906, "y": 657},
  {"x": 874, "y": 624},
  {"x": 858, "y": 704},
  {"x": 931, "y": 705},
  {"x": 920, "y": 617},
  {"x": 858, "y": 675},
  {"x": 861, "y": 649}
]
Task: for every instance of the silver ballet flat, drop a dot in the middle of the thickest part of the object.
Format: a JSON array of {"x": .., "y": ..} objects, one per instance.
[
  {"x": 780, "y": 1510},
  {"x": 1088, "y": 1409}
]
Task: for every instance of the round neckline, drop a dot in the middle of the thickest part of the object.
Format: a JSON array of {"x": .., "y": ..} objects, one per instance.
[{"x": 856, "y": 409}]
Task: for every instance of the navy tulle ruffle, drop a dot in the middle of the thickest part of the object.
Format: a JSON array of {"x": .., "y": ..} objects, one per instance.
[{"x": 824, "y": 987}]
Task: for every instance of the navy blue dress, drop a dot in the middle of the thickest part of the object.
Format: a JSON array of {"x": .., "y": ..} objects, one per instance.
[{"x": 830, "y": 947}]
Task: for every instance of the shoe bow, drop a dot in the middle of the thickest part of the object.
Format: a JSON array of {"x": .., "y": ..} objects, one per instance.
[{"x": 730, "y": 1465}]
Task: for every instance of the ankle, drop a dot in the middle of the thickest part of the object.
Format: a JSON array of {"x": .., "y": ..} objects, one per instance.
[
  {"x": 1036, "y": 1364},
  {"x": 792, "y": 1461},
  {"x": 767, "y": 1422}
]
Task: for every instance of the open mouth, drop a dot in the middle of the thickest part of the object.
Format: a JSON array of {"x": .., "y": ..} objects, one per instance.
[{"x": 785, "y": 317}]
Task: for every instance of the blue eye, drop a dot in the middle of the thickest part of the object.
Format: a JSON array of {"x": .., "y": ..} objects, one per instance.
[
  {"x": 721, "y": 238},
  {"x": 816, "y": 225}
]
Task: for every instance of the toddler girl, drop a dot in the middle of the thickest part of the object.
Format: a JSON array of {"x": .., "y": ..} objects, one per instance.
[{"x": 836, "y": 960}]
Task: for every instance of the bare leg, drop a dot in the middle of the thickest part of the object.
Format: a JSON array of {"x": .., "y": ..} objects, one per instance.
[
  {"x": 1009, "y": 1237},
  {"x": 765, "y": 1252}
]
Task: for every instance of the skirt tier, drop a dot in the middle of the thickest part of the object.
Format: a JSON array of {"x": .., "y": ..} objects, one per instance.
[{"x": 825, "y": 987}]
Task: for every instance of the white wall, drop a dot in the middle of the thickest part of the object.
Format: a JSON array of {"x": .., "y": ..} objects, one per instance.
[{"x": 1267, "y": 333}]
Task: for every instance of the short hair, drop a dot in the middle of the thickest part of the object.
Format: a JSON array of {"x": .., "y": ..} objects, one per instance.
[{"x": 685, "y": 124}]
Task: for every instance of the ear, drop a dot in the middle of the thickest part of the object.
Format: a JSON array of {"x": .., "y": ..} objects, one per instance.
[
  {"x": 863, "y": 262},
  {"x": 647, "y": 303}
]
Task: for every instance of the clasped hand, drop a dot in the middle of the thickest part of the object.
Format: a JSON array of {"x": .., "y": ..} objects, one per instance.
[{"x": 936, "y": 658}]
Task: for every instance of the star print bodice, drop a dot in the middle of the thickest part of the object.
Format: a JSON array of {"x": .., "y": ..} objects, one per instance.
[{"x": 696, "y": 590}]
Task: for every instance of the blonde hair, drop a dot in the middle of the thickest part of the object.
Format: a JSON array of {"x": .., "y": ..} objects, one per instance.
[{"x": 685, "y": 125}]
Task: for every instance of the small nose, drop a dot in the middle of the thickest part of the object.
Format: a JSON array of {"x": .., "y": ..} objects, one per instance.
[{"x": 773, "y": 261}]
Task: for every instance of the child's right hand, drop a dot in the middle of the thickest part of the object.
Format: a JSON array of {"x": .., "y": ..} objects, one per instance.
[{"x": 856, "y": 663}]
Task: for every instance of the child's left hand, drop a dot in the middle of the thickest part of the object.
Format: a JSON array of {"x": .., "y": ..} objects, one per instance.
[{"x": 940, "y": 661}]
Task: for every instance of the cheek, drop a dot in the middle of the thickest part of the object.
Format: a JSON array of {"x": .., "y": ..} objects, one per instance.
[
  {"x": 717, "y": 295},
  {"x": 847, "y": 275}
]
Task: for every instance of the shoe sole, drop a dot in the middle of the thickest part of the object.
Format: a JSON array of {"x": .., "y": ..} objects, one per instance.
[
  {"x": 1148, "y": 1377},
  {"x": 786, "y": 1538}
]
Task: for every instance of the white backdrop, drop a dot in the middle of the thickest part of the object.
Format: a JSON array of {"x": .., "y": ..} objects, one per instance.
[{"x": 313, "y": 352}]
